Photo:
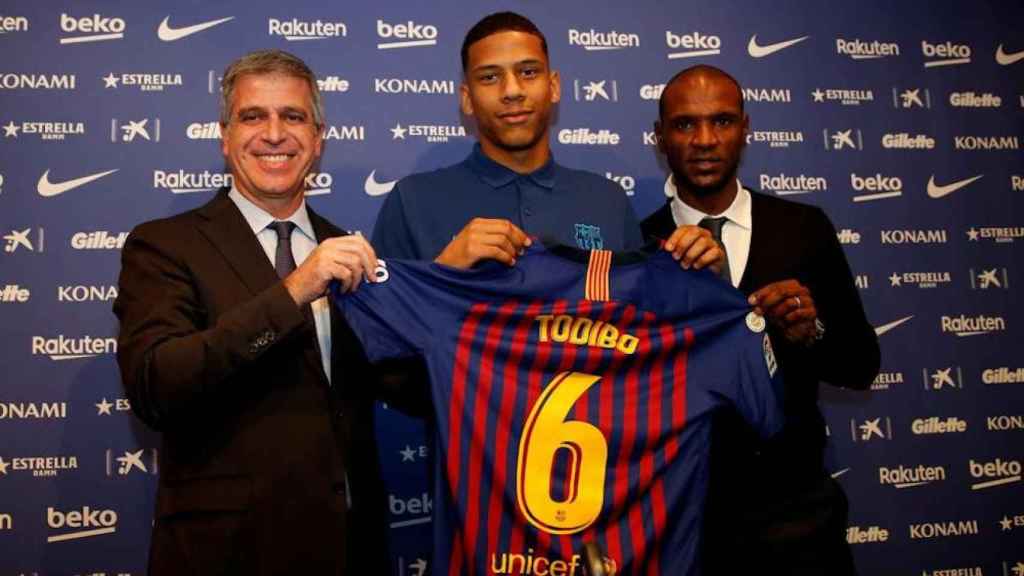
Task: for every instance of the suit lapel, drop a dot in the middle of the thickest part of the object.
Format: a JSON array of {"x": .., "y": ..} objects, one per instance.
[
  {"x": 324, "y": 230},
  {"x": 660, "y": 224},
  {"x": 759, "y": 246},
  {"x": 230, "y": 234}
]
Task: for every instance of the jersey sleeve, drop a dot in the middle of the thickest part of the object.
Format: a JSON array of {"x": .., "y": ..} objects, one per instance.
[
  {"x": 756, "y": 389},
  {"x": 389, "y": 316}
]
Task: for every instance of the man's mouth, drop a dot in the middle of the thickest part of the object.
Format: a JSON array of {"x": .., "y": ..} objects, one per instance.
[{"x": 515, "y": 116}]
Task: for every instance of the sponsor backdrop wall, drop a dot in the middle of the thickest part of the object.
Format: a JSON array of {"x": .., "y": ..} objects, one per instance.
[{"x": 903, "y": 121}]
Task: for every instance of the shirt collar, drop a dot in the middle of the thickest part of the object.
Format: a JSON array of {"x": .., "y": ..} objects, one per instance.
[
  {"x": 496, "y": 175},
  {"x": 258, "y": 218},
  {"x": 738, "y": 212}
]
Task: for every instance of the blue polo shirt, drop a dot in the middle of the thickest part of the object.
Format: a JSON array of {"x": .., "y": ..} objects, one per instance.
[{"x": 556, "y": 204}]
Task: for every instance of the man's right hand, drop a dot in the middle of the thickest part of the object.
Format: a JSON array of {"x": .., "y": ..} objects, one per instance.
[
  {"x": 347, "y": 259},
  {"x": 484, "y": 239}
]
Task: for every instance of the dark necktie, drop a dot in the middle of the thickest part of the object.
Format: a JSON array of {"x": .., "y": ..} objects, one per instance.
[
  {"x": 284, "y": 262},
  {"x": 714, "y": 225}
]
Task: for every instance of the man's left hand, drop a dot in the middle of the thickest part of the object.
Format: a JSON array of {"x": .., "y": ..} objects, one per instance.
[
  {"x": 694, "y": 247},
  {"x": 788, "y": 305}
]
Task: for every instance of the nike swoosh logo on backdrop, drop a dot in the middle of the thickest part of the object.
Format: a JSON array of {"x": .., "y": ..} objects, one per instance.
[
  {"x": 1007, "y": 59},
  {"x": 168, "y": 34},
  {"x": 761, "y": 51},
  {"x": 374, "y": 188},
  {"x": 49, "y": 189},
  {"x": 886, "y": 327},
  {"x": 936, "y": 191}
]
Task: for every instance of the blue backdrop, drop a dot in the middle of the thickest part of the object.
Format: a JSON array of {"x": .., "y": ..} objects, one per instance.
[{"x": 902, "y": 120}]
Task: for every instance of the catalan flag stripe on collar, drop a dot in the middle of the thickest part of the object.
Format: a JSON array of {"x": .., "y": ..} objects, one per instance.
[{"x": 597, "y": 287}]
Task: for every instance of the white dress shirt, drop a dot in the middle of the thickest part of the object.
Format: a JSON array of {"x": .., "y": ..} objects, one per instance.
[
  {"x": 303, "y": 242},
  {"x": 735, "y": 232}
]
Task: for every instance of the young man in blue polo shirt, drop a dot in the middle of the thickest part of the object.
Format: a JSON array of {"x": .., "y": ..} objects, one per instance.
[{"x": 510, "y": 188}]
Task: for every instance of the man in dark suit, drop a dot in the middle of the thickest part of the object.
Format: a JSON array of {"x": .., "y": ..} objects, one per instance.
[
  {"x": 229, "y": 347},
  {"x": 771, "y": 508}
]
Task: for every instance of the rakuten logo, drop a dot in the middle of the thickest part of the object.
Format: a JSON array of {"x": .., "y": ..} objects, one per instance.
[
  {"x": 64, "y": 348},
  {"x": 878, "y": 185},
  {"x": 972, "y": 326},
  {"x": 85, "y": 523},
  {"x": 594, "y": 40},
  {"x": 182, "y": 182},
  {"x": 93, "y": 28},
  {"x": 13, "y": 24},
  {"x": 296, "y": 29},
  {"x": 947, "y": 54},
  {"x": 904, "y": 477},
  {"x": 858, "y": 49},
  {"x": 408, "y": 35},
  {"x": 694, "y": 44},
  {"x": 586, "y": 137},
  {"x": 994, "y": 473},
  {"x": 783, "y": 185}
]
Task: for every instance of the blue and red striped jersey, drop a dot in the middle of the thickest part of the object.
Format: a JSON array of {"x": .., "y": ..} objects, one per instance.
[{"x": 572, "y": 395}]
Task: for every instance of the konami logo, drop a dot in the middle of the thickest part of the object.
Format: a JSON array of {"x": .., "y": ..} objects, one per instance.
[
  {"x": 1004, "y": 423},
  {"x": 929, "y": 530}
]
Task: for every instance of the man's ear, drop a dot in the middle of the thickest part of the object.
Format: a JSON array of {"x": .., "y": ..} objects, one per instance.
[
  {"x": 556, "y": 86},
  {"x": 465, "y": 103}
]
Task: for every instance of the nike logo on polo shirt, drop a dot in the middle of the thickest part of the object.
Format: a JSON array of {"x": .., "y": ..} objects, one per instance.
[
  {"x": 936, "y": 191},
  {"x": 374, "y": 188},
  {"x": 1007, "y": 59},
  {"x": 761, "y": 51},
  {"x": 168, "y": 34},
  {"x": 49, "y": 189},
  {"x": 886, "y": 327}
]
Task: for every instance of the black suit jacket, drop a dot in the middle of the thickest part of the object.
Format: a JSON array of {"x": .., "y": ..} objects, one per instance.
[
  {"x": 256, "y": 445},
  {"x": 757, "y": 491}
]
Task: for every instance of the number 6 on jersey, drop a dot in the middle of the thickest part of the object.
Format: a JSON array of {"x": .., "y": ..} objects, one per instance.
[{"x": 545, "y": 432}]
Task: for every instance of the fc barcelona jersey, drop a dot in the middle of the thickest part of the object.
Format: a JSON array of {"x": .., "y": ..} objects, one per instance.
[{"x": 572, "y": 395}]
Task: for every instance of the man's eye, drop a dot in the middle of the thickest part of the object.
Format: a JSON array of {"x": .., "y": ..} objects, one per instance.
[
  {"x": 530, "y": 72},
  {"x": 684, "y": 124},
  {"x": 487, "y": 78},
  {"x": 248, "y": 117},
  {"x": 723, "y": 121},
  {"x": 295, "y": 117}
]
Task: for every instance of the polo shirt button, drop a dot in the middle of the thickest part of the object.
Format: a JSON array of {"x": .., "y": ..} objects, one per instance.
[{"x": 528, "y": 212}]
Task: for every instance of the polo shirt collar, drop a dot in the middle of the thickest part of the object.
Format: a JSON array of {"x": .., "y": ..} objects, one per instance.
[{"x": 496, "y": 175}]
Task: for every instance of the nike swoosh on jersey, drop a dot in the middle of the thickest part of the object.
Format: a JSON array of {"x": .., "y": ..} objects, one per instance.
[
  {"x": 886, "y": 327},
  {"x": 761, "y": 51},
  {"x": 936, "y": 191},
  {"x": 168, "y": 34},
  {"x": 1007, "y": 59},
  {"x": 48, "y": 189},
  {"x": 374, "y": 188}
]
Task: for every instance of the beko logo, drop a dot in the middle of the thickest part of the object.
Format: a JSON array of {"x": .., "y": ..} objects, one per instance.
[
  {"x": 408, "y": 34},
  {"x": 296, "y": 29},
  {"x": 33, "y": 411},
  {"x": 145, "y": 82},
  {"x": 775, "y": 138},
  {"x": 586, "y": 136},
  {"x": 628, "y": 183},
  {"x": 98, "y": 240},
  {"x": 692, "y": 45},
  {"x": 1003, "y": 375},
  {"x": 964, "y": 325},
  {"x": 995, "y": 473},
  {"x": 85, "y": 523},
  {"x": 44, "y": 130},
  {"x": 14, "y": 293},
  {"x": 907, "y": 477},
  {"x": 974, "y": 100},
  {"x": 784, "y": 185},
  {"x": 84, "y": 293},
  {"x": 64, "y": 348},
  {"x": 930, "y": 530},
  {"x": 1003, "y": 423},
  {"x": 13, "y": 24},
  {"x": 870, "y": 534},
  {"x": 843, "y": 96},
  {"x": 986, "y": 143},
  {"x": 936, "y": 236},
  {"x": 886, "y": 380},
  {"x": 182, "y": 182},
  {"x": 37, "y": 81},
  {"x": 93, "y": 28},
  {"x": 318, "y": 183},
  {"x": 860, "y": 50},
  {"x": 418, "y": 506},
  {"x": 947, "y": 54},
  {"x": 878, "y": 186},
  {"x": 770, "y": 95},
  {"x": 936, "y": 425},
  {"x": 594, "y": 40},
  {"x": 906, "y": 141},
  {"x": 402, "y": 86}
]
